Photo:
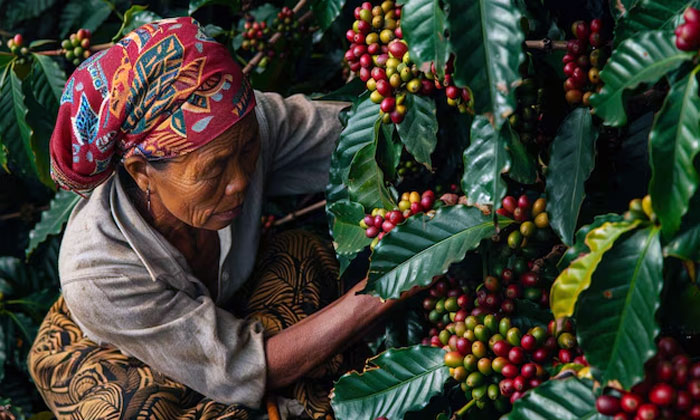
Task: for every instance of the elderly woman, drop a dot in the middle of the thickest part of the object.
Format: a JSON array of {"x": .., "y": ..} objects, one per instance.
[{"x": 158, "y": 317}]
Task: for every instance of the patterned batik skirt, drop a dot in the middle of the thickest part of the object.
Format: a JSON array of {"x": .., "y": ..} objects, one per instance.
[{"x": 296, "y": 274}]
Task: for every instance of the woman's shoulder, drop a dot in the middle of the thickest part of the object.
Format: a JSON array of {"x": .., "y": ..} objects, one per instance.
[{"x": 92, "y": 243}]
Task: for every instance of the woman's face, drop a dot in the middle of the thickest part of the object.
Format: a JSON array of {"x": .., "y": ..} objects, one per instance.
[{"x": 206, "y": 188}]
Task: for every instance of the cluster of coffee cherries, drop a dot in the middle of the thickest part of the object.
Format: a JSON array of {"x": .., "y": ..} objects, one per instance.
[
  {"x": 670, "y": 390},
  {"x": 586, "y": 55},
  {"x": 490, "y": 357},
  {"x": 456, "y": 96},
  {"x": 255, "y": 36},
  {"x": 408, "y": 168},
  {"x": 531, "y": 215},
  {"x": 502, "y": 293},
  {"x": 16, "y": 47},
  {"x": 381, "y": 221},
  {"x": 688, "y": 33},
  {"x": 77, "y": 47},
  {"x": 525, "y": 119},
  {"x": 640, "y": 209},
  {"x": 380, "y": 58}
]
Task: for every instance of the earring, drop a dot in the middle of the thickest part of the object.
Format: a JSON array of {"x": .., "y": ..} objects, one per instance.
[{"x": 148, "y": 197}]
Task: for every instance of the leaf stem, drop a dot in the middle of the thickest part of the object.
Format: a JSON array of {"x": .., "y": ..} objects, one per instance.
[{"x": 462, "y": 411}]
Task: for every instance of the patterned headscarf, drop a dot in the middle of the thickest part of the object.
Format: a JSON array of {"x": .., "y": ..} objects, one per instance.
[{"x": 162, "y": 91}]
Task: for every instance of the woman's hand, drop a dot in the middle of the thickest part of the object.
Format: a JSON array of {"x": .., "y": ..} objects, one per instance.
[{"x": 296, "y": 350}]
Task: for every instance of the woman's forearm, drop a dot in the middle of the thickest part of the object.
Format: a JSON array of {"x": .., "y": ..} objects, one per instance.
[{"x": 296, "y": 350}]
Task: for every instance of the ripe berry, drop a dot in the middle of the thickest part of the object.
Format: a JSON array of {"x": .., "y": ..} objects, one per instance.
[
  {"x": 694, "y": 389},
  {"x": 17, "y": 40},
  {"x": 519, "y": 383},
  {"x": 647, "y": 412},
  {"x": 664, "y": 371},
  {"x": 372, "y": 231},
  {"x": 529, "y": 370},
  {"x": 427, "y": 203},
  {"x": 516, "y": 355},
  {"x": 509, "y": 203},
  {"x": 506, "y": 387},
  {"x": 595, "y": 39},
  {"x": 596, "y": 25},
  {"x": 388, "y": 104},
  {"x": 510, "y": 371},
  {"x": 662, "y": 394},
  {"x": 529, "y": 279},
  {"x": 607, "y": 404},
  {"x": 565, "y": 356},
  {"x": 683, "y": 401},
  {"x": 524, "y": 202},
  {"x": 501, "y": 348},
  {"x": 507, "y": 276},
  {"x": 528, "y": 342},
  {"x": 630, "y": 403}
]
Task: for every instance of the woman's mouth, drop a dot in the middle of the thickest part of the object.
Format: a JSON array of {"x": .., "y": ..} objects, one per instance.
[{"x": 228, "y": 215}]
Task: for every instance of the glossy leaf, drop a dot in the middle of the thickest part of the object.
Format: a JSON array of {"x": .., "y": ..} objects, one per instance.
[
  {"x": 325, "y": 11},
  {"x": 686, "y": 244},
  {"x": 577, "y": 277},
  {"x": 571, "y": 163},
  {"x": 389, "y": 150},
  {"x": 198, "y": 4},
  {"x": 15, "y": 133},
  {"x": 557, "y": 399},
  {"x": 414, "y": 252},
  {"x": 615, "y": 317},
  {"x": 42, "y": 122},
  {"x": 53, "y": 219},
  {"x": 486, "y": 38},
  {"x": 47, "y": 81},
  {"x": 397, "y": 381},
  {"x": 366, "y": 179},
  {"x": 423, "y": 27},
  {"x": 523, "y": 169},
  {"x": 643, "y": 58},
  {"x": 579, "y": 246},
  {"x": 348, "y": 237},
  {"x": 674, "y": 143},
  {"x": 88, "y": 14},
  {"x": 418, "y": 130},
  {"x": 27, "y": 9},
  {"x": 134, "y": 17},
  {"x": 648, "y": 15},
  {"x": 358, "y": 133},
  {"x": 485, "y": 160}
]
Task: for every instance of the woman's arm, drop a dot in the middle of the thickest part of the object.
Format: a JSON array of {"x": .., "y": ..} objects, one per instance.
[{"x": 298, "y": 349}]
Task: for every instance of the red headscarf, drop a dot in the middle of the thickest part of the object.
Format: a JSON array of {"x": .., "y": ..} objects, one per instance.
[{"x": 164, "y": 90}]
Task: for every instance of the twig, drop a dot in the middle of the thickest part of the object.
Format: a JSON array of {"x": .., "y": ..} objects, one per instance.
[
  {"x": 21, "y": 213},
  {"x": 273, "y": 39},
  {"x": 546, "y": 44},
  {"x": 296, "y": 214},
  {"x": 555, "y": 254}
]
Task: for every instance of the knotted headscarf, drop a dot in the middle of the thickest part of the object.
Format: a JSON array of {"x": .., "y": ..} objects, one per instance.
[{"x": 162, "y": 91}]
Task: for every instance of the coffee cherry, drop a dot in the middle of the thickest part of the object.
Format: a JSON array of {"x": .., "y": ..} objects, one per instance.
[
  {"x": 630, "y": 403},
  {"x": 596, "y": 25},
  {"x": 17, "y": 40},
  {"x": 528, "y": 342},
  {"x": 509, "y": 203},
  {"x": 516, "y": 355},
  {"x": 607, "y": 404},
  {"x": 662, "y": 394},
  {"x": 647, "y": 412}
]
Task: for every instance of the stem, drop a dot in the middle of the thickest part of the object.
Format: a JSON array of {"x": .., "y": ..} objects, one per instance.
[
  {"x": 114, "y": 9},
  {"x": 296, "y": 214},
  {"x": 544, "y": 44},
  {"x": 462, "y": 411},
  {"x": 273, "y": 39}
]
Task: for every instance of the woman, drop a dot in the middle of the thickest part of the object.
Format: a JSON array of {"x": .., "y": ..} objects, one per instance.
[{"x": 178, "y": 153}]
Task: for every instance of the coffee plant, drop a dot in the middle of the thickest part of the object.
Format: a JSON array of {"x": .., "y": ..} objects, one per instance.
[{"x": 531, "y": 167}]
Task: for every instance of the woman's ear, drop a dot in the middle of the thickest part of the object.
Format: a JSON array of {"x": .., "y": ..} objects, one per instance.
[{"x": 139, "y": 170}]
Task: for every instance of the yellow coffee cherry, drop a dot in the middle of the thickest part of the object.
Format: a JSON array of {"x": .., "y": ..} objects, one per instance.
[
  {"x": 414, "y": 197},
  {"x": 542, "y": 220}
]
